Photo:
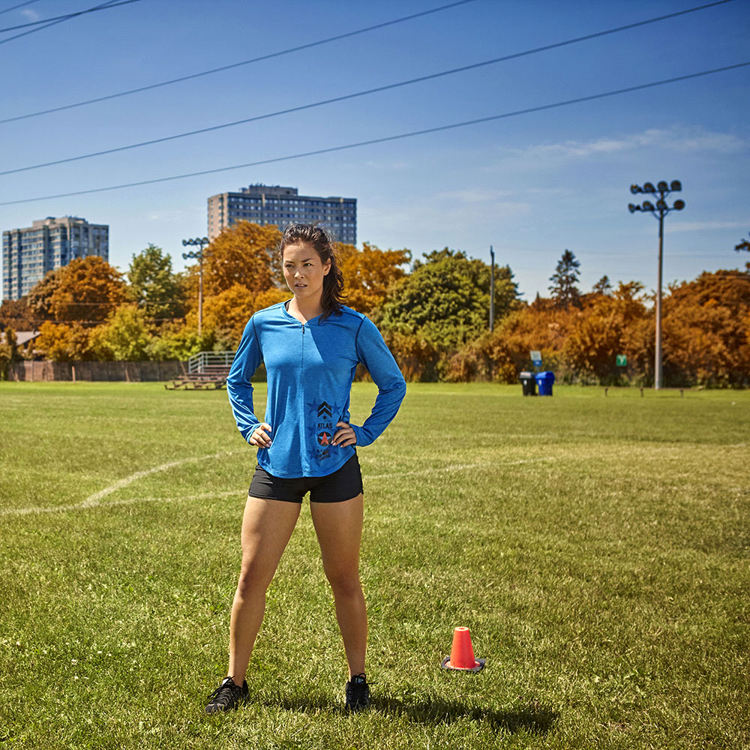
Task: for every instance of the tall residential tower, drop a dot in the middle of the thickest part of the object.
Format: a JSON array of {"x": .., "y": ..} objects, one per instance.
[
  {"x": 48, "y": 245},
  {"x": 282, "y": 206}
]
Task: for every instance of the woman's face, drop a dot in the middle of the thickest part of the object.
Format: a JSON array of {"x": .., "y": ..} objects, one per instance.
[{"x": 304, "y": 271}]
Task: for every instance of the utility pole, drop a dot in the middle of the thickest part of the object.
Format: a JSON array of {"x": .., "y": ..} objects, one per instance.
[
  {"x": 198, "y": 254},
  {"x": 659, "y": 211},
  {"x": 492, "y": 290}
]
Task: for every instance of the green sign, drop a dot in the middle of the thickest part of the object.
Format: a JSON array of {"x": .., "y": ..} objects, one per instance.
[{"x": 621, "y": 360}]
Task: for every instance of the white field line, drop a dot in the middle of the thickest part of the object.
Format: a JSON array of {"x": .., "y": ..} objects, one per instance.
[
  {"x": 127, "y": 501},
  {"x": 94, "y": 501}
]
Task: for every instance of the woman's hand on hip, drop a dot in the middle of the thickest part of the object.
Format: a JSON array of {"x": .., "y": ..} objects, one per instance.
[
  {"x": 261, "y": 436},
  {"x": 345, "y": 436}
]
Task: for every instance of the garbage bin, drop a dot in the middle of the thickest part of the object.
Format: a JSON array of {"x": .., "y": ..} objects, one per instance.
[
  {"x": 528, "y": 383},
  {"x": 544, "y": 381}
]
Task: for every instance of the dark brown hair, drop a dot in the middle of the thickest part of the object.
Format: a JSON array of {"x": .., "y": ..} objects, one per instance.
[{"x": 333, "y": 281}]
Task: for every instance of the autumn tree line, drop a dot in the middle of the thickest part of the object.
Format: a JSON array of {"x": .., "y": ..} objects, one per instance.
[{"x": 433, "y": 313}]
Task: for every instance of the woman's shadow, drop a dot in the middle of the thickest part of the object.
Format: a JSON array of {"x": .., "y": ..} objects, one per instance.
[{"x": 532, "y": 717}]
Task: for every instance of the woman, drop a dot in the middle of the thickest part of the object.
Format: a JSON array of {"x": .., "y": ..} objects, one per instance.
[{"x": 311, "y": 346}]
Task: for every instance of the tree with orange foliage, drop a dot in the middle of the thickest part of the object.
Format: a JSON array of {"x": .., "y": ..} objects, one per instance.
[
  {"x": 88, "y": 289},
  {"x": 707, "y": 330},
  {"x": 369, "y": 273},
  {"x": 61, "y": 342},
  {"x": 599, "y": 332},
  {"x": 230, "y": 310},
  {"x": 17, "y": 314},
  {"x": 243, "y": 254}
]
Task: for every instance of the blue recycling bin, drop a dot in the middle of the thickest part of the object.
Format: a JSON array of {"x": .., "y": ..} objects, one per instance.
[{"x": 544, "y": 382}]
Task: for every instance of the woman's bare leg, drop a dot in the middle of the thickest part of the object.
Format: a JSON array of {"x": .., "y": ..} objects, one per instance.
[
  {"x": 339, "y": 530},
  {"x": 267, "y": 527}
]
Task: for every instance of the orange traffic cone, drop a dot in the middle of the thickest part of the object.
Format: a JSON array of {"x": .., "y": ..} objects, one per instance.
[{"x": 462, "y": 653}]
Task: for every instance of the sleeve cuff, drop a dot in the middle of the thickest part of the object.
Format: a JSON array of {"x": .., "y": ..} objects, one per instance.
[{"x": 361, "y": 435}]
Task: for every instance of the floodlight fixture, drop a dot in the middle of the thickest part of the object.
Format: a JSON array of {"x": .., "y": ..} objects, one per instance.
[
  {"x": 679, "y": 205},
  {"x": 648, "y": 187},
  {"x": 675, "y": 186},
  {"x": 662, "y": 186},
  {"x": 636, "y": 189},
  {"x": 648, "y": 206}
]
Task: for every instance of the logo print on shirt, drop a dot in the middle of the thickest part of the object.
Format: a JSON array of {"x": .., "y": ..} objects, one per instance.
[{"x": 323, "y": 416}]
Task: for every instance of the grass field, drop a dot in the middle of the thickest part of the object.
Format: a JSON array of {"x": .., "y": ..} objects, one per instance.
[{"x": 598, "y": 548}]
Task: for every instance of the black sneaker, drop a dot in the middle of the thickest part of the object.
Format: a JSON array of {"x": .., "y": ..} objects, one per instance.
[
  {"x": 227, "y": 696},
  {"x": 357, "y": 693}
]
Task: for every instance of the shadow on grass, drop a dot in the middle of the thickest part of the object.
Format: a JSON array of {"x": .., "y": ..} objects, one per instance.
[{"x": 533, "y": 718}]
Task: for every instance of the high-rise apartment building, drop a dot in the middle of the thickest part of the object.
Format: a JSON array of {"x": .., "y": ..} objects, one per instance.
[
  {"x": 48, "y": 245},
  {"x": 282, "y": 206}
]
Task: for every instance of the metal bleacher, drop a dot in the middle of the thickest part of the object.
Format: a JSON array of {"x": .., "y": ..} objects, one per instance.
[{"x": 206, "y": 371}]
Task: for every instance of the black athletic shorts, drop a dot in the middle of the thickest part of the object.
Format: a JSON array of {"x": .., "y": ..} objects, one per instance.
[{"x": 344, "y": 484}]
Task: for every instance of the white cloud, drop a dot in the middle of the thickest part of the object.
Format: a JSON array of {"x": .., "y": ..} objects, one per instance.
[
  {"x": 682, "y": 140},
  {"x": 31, "y": 15},
  {"x": 450, "y": 209},
  {"x": 707, "y": 226}
]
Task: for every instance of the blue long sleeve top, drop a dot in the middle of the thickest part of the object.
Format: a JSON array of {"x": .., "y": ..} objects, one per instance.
[{"x": 310, "y": 368}]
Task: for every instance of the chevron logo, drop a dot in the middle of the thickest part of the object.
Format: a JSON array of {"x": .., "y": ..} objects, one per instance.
[{"x": 324, "y": 410}]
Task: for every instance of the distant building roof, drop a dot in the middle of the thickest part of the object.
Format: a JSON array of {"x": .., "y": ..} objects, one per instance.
[{"x": 22, "y": 337}]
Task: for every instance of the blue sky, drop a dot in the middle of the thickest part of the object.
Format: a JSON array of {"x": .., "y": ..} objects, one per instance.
[{"x": 531, "y": 185}]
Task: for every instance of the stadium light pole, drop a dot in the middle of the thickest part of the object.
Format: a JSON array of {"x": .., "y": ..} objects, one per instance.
[
  {"x": 659, "y": 211},
  {"x": 198, "y": 254},
  {"x": 492, "y": 290}
]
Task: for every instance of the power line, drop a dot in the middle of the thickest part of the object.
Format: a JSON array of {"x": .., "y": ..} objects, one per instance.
[
  {"x": 345, "y": 97},
  {"x": 20, "y": 5},
  {"x": 66, "y": 17},
  {"x": 108, "y": 4},
  {"x": 238, "y": 64},
  {"x": 386, "y": 139}
]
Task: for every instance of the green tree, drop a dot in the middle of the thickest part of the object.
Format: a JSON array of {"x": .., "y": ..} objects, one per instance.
[
  {"x": 442, "y": 299},
  {"x": 744, "y": 245},
  {"x": 564, "y": 290},
  {"x": 181, "y": 342},
  {"x": 124, "y": 337},
  {"x": 153, "y": 286}
]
